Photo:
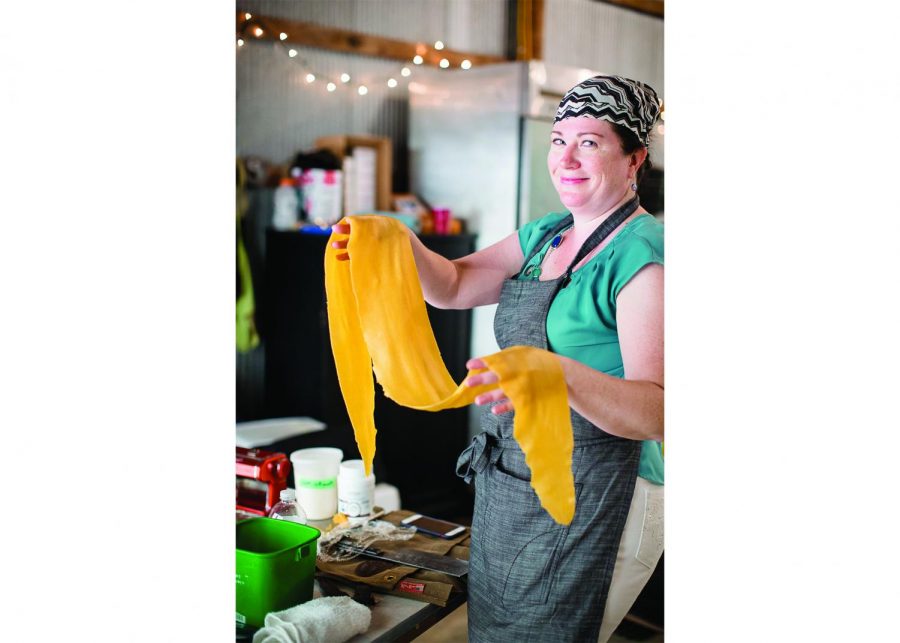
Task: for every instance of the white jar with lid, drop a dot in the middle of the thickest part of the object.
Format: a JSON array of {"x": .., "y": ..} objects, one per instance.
[
  {"x": 356, "y": 491},
  {"x": 315, "y": 478}
]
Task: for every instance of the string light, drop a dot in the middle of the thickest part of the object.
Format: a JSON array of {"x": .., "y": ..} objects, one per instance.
[
  {"x": 421, "y": 51},
  {"x": 247, "y": 16}
]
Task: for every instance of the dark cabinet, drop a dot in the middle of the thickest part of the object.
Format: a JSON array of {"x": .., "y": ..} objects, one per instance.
[{"x": 416, "y": 450}]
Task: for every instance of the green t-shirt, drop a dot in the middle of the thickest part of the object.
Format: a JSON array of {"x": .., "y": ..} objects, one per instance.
[{"x": 581, "y": 323}]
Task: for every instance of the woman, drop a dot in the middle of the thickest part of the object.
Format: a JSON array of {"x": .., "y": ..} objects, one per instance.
[{"x": 588, "y": 286}]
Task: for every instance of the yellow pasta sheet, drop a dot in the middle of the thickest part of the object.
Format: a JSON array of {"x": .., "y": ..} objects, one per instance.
[{"x": 378, "y": 321}]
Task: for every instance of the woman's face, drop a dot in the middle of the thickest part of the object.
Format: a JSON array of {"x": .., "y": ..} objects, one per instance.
[{"x": 588, "y": 168}]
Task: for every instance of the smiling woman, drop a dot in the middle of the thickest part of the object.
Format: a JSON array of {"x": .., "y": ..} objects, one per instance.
[
  {"x": 587, "y": 286},
  {"x": 588, "y": 166}
]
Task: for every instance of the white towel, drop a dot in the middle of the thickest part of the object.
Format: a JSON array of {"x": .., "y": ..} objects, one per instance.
[{"x": 330, "y": 619}]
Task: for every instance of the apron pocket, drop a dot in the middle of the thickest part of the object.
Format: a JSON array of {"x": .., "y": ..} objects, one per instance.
[{"x": 524, "y": 540}]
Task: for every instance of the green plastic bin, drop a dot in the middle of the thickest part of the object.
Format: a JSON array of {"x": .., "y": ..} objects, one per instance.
[{"x": 275, "y": 569}]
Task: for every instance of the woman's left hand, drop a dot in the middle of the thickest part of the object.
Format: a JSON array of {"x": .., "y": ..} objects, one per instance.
[{"x": 488, "y": 377}]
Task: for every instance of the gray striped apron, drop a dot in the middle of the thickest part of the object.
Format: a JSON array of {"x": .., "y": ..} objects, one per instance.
[{"x": 531, "y": 579}]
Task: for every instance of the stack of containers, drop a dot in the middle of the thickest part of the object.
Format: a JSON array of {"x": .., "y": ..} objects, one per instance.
[
  {"x": 322, "y": 196},
  {"x": 325, "y": 485}
]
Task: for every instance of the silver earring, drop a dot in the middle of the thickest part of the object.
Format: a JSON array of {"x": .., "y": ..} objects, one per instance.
[{"x": 634, "y": 187}]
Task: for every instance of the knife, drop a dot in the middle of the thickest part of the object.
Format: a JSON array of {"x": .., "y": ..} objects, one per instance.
[{"x": 423, "y": 560}]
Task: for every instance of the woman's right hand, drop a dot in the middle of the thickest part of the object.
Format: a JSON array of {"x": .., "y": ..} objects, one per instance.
[{"x": 342, "y": 244}]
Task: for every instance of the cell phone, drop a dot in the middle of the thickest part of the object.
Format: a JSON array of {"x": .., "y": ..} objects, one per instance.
[{"x": 433, "y": 526}]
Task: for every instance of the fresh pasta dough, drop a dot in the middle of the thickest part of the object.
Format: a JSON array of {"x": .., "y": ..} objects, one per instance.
[{"x": 378, "y": 321}]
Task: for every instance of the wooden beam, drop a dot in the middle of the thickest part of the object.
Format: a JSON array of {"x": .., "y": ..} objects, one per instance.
[
  {"x": 537, "y": 29},
  {"x": 529, "y": 29},
  {"x": 523, "y": 30},
  {"x": 308, "y": 34},
  {"x": 650, "y": 7}
]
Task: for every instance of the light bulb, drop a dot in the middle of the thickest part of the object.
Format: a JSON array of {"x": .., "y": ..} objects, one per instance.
[
  {"x": 405, "y": 72},
  {"x": 466, "y": 64},
  {"x": 439, "y": 45},
  {"x": 258, "y": 31},
  {"x": 444, "y": 63},
  {"x": 345, "y": 78},
  {"x": 292, "y": 52},
  {"x": 283, "y": 36},
  {"x": 417, "y": 60},
  {"x": 247, "y": 16},
  {"x": 310, "y": 77},
  {"x": 331, "y": 87},
  {"x": 362, "y": 90},
  {"x": 240, "y": 42},
  {"x": 392, "y": 82}
]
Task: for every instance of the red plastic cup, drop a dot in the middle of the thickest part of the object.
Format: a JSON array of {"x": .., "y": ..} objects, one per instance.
[{"x": 441, "y": 220}]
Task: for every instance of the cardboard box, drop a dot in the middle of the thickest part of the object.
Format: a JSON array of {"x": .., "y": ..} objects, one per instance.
[{"x": 342, "y": 146}]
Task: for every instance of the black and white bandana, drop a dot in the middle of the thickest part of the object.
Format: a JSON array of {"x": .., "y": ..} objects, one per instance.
[{"x": 619, "y": 100}]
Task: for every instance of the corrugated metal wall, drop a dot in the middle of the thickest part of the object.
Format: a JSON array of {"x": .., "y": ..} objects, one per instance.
[
  {"x": 467, "y": 25},
  {"x": 607, "y": 38},
  {"x": 586, "y": 33},
  {"x": 279, "y": 113}
]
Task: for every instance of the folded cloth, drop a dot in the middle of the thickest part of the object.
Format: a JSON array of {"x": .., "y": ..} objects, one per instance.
[{"x": 330, "y": 619}]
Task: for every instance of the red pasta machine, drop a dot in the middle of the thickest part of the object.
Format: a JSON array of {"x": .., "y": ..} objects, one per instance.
[{"x": 260, "y": 477}]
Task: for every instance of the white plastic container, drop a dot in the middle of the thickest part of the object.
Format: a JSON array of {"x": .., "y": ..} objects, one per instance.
[
  {"x": 315, "y": 479},
  {"x": 287, "y": 206},
  {"x": 322, "y": 196},
  {"x": 356, "y": 491},
  {"x": 387, "y": 497}
]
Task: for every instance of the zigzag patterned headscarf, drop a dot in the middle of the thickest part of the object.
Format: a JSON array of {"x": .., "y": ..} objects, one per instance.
[{"x": 619, "y": 100}]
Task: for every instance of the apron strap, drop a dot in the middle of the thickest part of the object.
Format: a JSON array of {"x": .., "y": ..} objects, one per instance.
[
  {"x": 596, "y": 238},
  {"x": 564, "y": 223},
  {"x": 603, "y": 230}
]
